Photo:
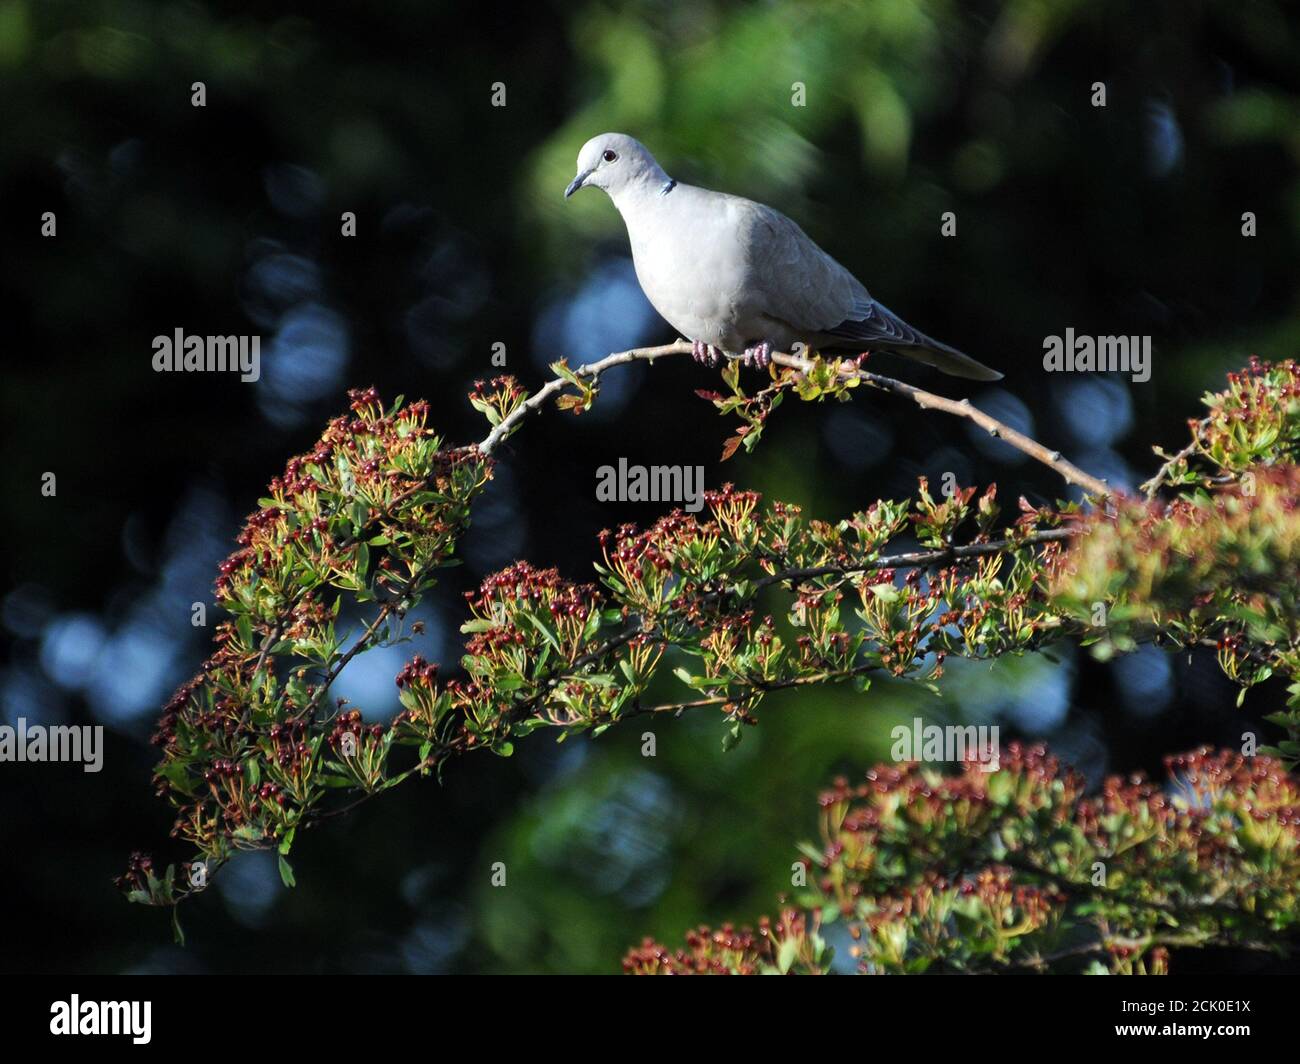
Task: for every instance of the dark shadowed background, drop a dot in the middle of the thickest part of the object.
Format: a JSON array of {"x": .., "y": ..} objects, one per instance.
[{"x": 225, "y": 219}]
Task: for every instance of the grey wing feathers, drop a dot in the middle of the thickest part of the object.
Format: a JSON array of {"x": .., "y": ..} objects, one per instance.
[
  {"x": 804, "y": 287},
  {"x": 799, "y": 283},
  {"x": 881, "y": 327},
  {"x": 876, "y": 323}
]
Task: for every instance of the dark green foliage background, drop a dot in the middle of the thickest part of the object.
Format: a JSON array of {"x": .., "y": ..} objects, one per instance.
[{"x": 1113, "y": 221}]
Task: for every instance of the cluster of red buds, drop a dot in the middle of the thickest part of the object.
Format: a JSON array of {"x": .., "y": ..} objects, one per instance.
[
  {"x": 270, "y": 792},
  {"x": 372, "y": 510},
  {"x": 1193, "y": 567},
  {"x": 417, "y": 670},
  {"x": 351, "y": 724},
  {"x": 1253, "y": 418},
  {"x": 497, "y": 399},
  {"x": 507, "y": 600},
  {"x": 734, "y": 510},
  {"x": 1013, "y": 854},
  {"x": 885, "y": 936},
  {"x": 790, "y": 942},
  {"x": 936, "y": 523},
  {"x": 138, "y": 870}
]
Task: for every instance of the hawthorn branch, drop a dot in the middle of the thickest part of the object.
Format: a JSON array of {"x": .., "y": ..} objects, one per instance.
[
  {"x": 909, "y": 560},
  {"x": 1150, "y": 487},
  {"x": 592, "y": 371},
  {"x": 962, "y": 408},
  {"x": 918, "y": 559},
  {"x": 829, "y": 677},
  {"x": 364, "y": 642},
  {"x": 272, "y": 638}
]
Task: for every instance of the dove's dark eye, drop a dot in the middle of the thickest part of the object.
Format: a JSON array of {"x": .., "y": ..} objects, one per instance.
[{"x": 609, "y": 155}]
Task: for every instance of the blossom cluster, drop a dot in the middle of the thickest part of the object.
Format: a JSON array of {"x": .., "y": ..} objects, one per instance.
[
  {"x": 251, "y": 746},
  {"x": 1254, "y": 421},
  {"x": 718, "y": 610},
  {"x": 1217, "y": 568},
  {"x": 1218, "y": 563},
  {"x": 1017, "y": 869}
]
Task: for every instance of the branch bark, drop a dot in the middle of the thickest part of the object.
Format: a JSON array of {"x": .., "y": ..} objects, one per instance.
[
  {"x": 962, "y": 408},
  {"x": 1151, "y": 487}
]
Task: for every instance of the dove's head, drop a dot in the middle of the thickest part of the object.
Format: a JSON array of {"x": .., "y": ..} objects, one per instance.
[{"x": 617, "y": 163}]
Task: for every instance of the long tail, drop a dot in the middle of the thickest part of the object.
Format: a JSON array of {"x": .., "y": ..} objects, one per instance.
[{"x": 885, "y": 330}]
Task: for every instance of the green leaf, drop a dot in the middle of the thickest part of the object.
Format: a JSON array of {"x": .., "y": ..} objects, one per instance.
[
  {"x": 286, "y": 873},
  {"x": 546, "y": 633}
]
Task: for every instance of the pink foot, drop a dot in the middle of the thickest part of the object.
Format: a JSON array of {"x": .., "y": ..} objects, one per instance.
[
  {"x": 760, "y": 355},
  {"x": 706, "y": 354}
]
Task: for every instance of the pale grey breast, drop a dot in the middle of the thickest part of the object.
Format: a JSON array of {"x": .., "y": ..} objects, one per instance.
[{"x": 688, "y": 248}]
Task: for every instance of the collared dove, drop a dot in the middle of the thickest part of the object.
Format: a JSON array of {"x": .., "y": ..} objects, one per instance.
[{"x": 740, "y": 279}]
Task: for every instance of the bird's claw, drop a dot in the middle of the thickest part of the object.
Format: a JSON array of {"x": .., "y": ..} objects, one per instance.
[
  {"x": 759, "y": 356},
  {"x": 706, "y": 354}
]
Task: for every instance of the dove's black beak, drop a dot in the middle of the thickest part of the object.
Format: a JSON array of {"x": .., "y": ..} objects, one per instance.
[{"x": 576, "y": 183}]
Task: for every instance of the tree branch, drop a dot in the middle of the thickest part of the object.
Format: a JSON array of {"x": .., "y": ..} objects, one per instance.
[
  {"x": 590, "y": 371},
  {"x": 917, "y": 559},
  {"x": 1150, "y": 487},
  {"x": 963, "y": 408}
]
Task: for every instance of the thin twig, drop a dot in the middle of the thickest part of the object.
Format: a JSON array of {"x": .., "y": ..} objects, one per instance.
[
  {"x": 926, "y": 400},
  {"x": 829, "y": 676},
  {"x": 917, "y": 559},
  {"x": 360, "y": 646},
  {"x": 1153, "y": 485},
  {"x": 268, "y": 643},
  {"x": 557, "y": 384},
  {"x": 964, "y": 408}
]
